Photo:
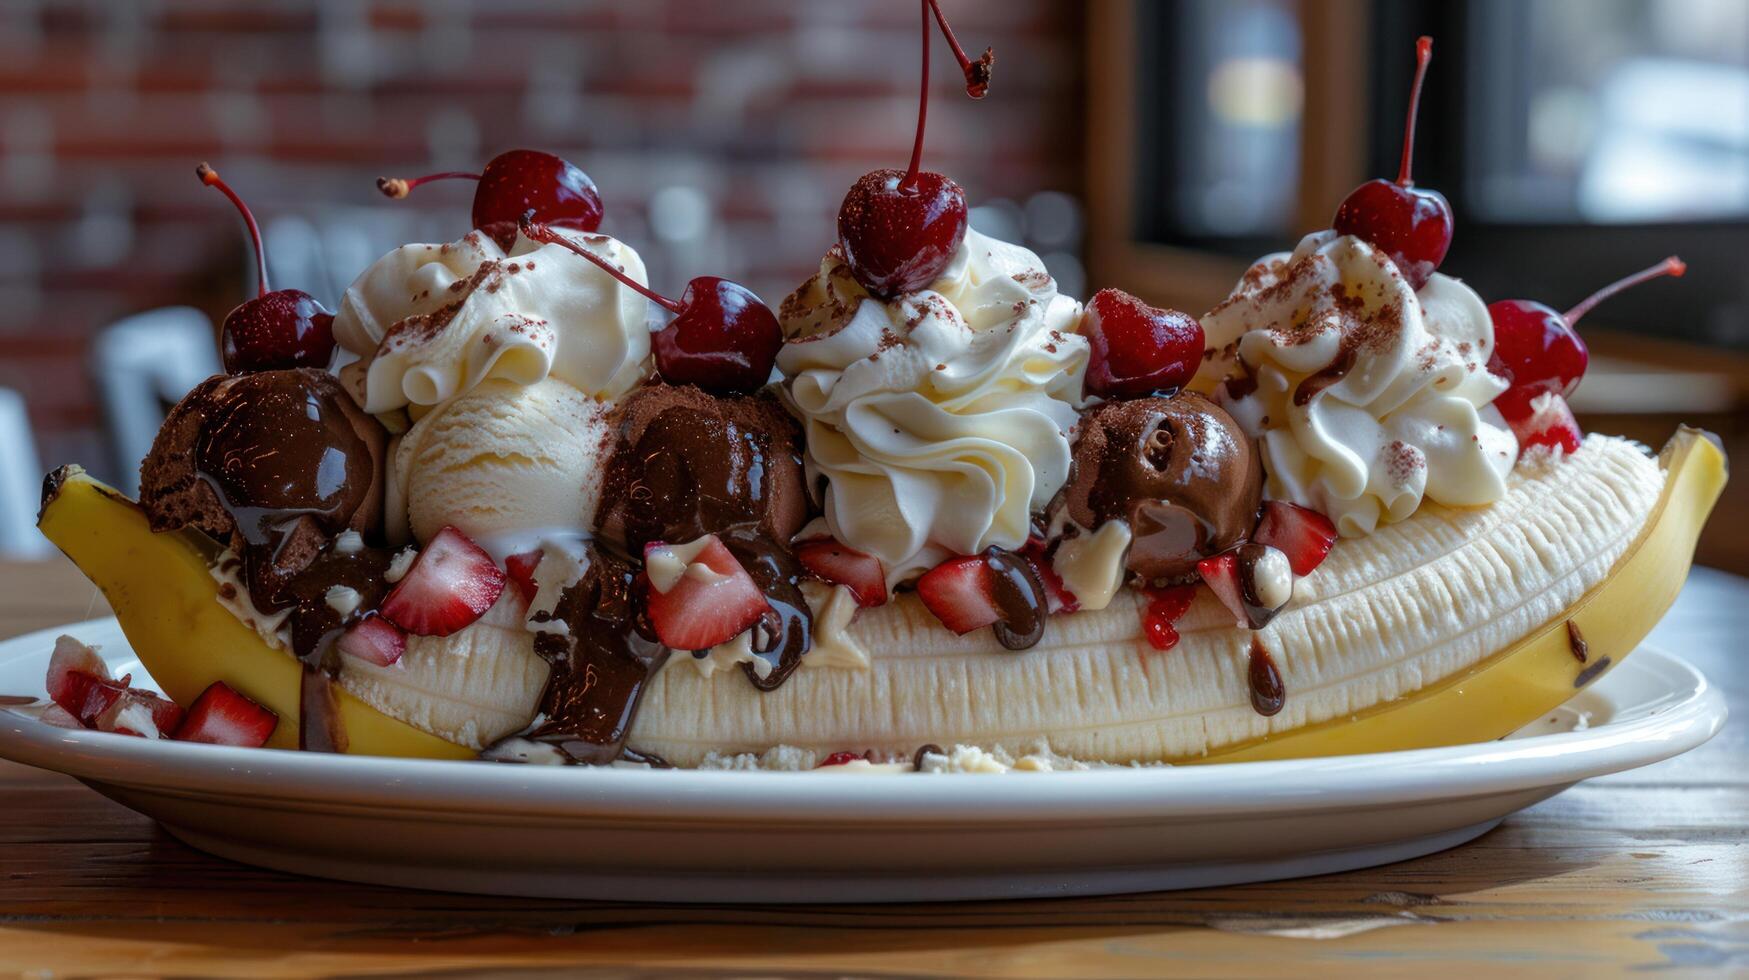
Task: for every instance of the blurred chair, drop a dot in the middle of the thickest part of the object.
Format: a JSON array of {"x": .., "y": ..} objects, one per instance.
[
  {"x": 143, "y": 364},
  {"x": 20, "y": 482}
]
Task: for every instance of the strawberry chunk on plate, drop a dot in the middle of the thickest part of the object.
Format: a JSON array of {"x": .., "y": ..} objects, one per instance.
[
  {"x": 840, "y": 565},
  {"x": 698, "y": 595},
  {"x": 451, "y": 584},
  {"x": 520, "y": 568},
  {"x": 1304, "y": 535},
  {"x": 221, "y": 716},
  {"x": 375, "y": 640},
  {"x": 1548, "y": 422}
]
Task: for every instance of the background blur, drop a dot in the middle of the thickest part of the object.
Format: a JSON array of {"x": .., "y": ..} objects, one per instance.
[{"x": 1157, "y": 145}]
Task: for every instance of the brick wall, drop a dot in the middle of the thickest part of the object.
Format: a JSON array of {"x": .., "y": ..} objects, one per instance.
[{"x": 722, "y": 135}]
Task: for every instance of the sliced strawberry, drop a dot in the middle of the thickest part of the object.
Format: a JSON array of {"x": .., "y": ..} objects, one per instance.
[
  {"x": 1547, "y": 421},
  {"x": 1304, "y": 535},
  {"x": 959, "y": 592},
  {"x": 141, "y": 713},
  {"x": 520, "y": 568},
  {"x": 833, "y": 562},
  {"x": 451, "y": 584},
  {"x": 71, "y": 667},
  {"x": 374, "y": 639},
  {"x": 1254, "y": 581},
  {"x": 839, "y": 759},
  {"x": 88, "y": 697},
  {"x": 1160, "y": 616},
  {"x": 57, "y": 716},
  {"x": 221, "y": 716},
  {"x": 1058, "y": 594},
  {"x": 698, "y": 595}
]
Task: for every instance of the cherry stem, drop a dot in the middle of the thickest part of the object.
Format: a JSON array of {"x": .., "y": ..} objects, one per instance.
[
  {"x": 399, "y": 187},
  {"x": 210, "y": 177},
  {"x": 1423, "y": 54},
  {"x": 977, "y": 72},
  {"x": 922, "y": 107},
  {"x": 541, "y": 233},
  {"x": 1671, "y": 266}
]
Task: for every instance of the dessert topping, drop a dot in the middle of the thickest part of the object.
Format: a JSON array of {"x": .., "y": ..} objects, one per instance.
[
  {"x": 840, "y": 564},
  {"x": 514, "y": 183},
  {"x": 699, "y": 595},
  {"x": 451, "y": 584},
  {"x": 997, "y": 588},
  {"x": 1254, "y": 582},
  {"x": 1138, "y": 350},
  {"x": 1305, "y": 536},
  {"x": 284, "y": 328}
]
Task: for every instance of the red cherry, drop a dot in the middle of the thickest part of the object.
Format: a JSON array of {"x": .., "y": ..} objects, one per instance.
[
  {"x": 1411, "y": 225},
  {"x": 285, "y": 328},
  {"x": 899, "y": 229},
  {"x": 1138, "y": 350},
  {"x": 517, "y": 181},
  {"x": 723, "y": 338},
  {"x": 1538, "y": 350}
]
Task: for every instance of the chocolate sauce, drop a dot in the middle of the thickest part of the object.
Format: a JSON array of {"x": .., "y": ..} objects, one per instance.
[
  {"x": 1315, "y": 383},
  {"x": 319, "y": 725},
  {"x": 785, "y": 633},
  {"x": 1591, "y": 673},
  {"x": 600, "y": 670},
  {"x": 1257, "y": 613},
  {"x": 1576, "y": 642},
  {"x": 923, "y": 750},
  {"x": 1267, "y": 693},
  {"x": 1020, "y": 597}
]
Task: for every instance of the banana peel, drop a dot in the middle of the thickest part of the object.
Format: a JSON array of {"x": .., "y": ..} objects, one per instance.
[
  {"x": 167, "y": 603},
  {"x": 165, "y": 599}
]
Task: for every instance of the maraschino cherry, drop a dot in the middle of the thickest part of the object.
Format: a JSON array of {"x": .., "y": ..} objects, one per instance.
[
  {"x": 1538, "y": 350},
  {"x": 1411, "y": 225},
  {"x": 1137, "y": 350},
  {"x": 900, "y": 228},
  {"x": 516, "y": 181},
  {"x": 722, "y": 338},
  {"x": 285, "y": 328}
]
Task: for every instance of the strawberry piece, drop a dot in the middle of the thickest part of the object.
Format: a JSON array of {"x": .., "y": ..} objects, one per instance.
[
  {"x": 833, "y": 562},
  {"x": 1160, "y": 616},
  {"x": 56, "y": 716},
  {"x": 88, "y": 697},
  {"x": 520, "y": 568},
  {"x": 1546, "y": 421},
  {"x": 72, "y": 666},
  {"x": 141, "y": 713},
  {"x": 838, "y": 759},
  {"x": 375, "y": 640},
  {"x": 451, "y": 584},
  {"x": 698, "y": 595},
  {"x": 1221, "y": 573},
  {"x": 959, "y": 592},
  {"x": 1253, "y": 580},
  {"x": 1058, "y": 596},
  {"x": 1304, "y": 535},
  {"x": 221, "y": 716}
]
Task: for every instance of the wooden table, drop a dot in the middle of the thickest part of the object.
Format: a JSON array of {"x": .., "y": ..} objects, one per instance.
[{"x": 1647, "y": 870}]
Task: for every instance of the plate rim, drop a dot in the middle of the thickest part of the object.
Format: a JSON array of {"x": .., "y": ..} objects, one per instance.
[{"x": 460, "y": 789}]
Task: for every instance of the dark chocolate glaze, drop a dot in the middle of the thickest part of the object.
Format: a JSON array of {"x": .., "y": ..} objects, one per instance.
[
  {"x": 600, "y": 670},
  {"x": 1576, "y": 642},
  {"x": 1247, "y": 556},
  {"x": 1020, "y": 596},
  {"x": 785, "y": 633},
  {"x": 1178, "y": 470},
  {"x": 1267, "y": 693},
  {"x": 1308, "y": 389}
]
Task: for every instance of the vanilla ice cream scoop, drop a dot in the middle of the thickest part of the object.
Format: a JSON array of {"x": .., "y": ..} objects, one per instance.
[
  {"x": 430, "y": 322},
  {"x": 507, "y": 464}
]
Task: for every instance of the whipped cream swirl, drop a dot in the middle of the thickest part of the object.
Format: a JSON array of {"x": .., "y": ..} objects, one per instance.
[
  {"x": 940, "y": 420},
  {"x": 429, "y": 322},
  {"x": 1365, "y": 395}
]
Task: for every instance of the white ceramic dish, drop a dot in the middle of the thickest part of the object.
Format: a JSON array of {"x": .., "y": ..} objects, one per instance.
[{"x": 817, "y": 837}]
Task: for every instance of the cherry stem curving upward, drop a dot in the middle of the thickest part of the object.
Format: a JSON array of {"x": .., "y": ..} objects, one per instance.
[
  {"x": 399, "y": 187},
  {"x": 977, "y": 81},
  {"x": 1423, "y": 54},
  {"x": 1671, "y": 266},
  {"x": 210, "y": 177},
  {"x": 922, "y": 106},
  {"x": 541, "y": 233}
]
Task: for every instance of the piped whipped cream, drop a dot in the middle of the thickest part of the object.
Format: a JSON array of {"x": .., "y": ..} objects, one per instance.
[
  {"x": 938, "y": 421},
  {"x": 430, "y": 322},
  {"x": 1366, "y": 396}
]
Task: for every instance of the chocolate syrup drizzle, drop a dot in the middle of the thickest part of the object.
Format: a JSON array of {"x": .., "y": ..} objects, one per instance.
[
  {"x": 1268, "y": 695},
  {"x": 1020, "y": 596}
]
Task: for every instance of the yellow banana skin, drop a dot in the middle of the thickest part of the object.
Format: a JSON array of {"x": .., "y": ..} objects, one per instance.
[
  {"x": 1504, "y": 692},
  {"x": 164, "y": 597},
  {"x": 167, "y": 603}
]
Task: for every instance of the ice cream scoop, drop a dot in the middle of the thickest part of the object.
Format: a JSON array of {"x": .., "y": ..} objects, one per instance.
[
  {"x": 1179, "y": 471},
  {"x": 687, "y": 464}
]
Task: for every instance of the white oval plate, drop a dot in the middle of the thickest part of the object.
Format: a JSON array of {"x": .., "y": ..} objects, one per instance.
[{"x": 693, "y": 836}]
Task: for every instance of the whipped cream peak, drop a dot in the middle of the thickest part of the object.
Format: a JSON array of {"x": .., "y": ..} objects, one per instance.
[
  {"x": 430, "y": 322},
  {"x": 939, "y": 420},
  {"x": 1366, "y": 395}
]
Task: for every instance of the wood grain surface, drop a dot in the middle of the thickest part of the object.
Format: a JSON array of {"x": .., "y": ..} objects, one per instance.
[{"x": 1646, "y": 871}]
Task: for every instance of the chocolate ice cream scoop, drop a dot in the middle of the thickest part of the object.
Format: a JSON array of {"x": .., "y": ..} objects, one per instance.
[
  {"x": 273, "y": 463},
  {"x": 1179, "y": 470},
  {"x": 686, "y": 464}
]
